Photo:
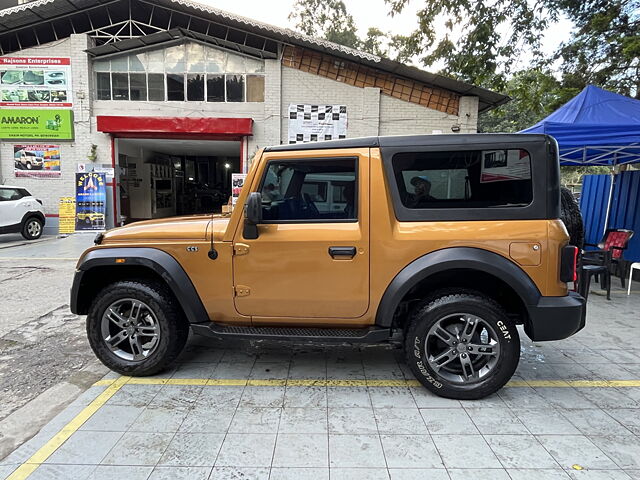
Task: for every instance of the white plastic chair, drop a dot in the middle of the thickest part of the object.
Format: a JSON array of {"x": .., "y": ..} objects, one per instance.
[{"x": 635, "y": 265}]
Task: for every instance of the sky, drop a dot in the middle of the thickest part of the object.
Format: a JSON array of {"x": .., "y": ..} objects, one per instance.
[{"x": 366, "y": 13}]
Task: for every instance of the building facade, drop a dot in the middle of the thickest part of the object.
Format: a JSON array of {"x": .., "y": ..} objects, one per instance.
[{"x": 169, "y": 98}]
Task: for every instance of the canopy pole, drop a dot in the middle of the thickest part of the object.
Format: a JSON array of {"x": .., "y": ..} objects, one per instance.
[{"x": 610, "y": 199}]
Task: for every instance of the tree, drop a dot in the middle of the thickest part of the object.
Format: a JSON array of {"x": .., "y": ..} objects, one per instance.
[{"x": 326, "y": 19}]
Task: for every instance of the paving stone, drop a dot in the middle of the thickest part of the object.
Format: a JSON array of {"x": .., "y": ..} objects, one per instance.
[
  {"x": 448, "y": 421},
  {"x": 192, "y": 449},
  {"x": 301, "y": 450},
  {"x": 232, "y": 371},
  {"x": 316, "y": 370},
  {"x": 400, "y": 421},
  {"x": 348, "y": 397},
  {"x": 608, "y": 398},
  {"x": 303, "y": 420},
  {"x": 88, "y": 396},
  {"x": 496, "y": 421},
  {"x": 520, "y": 451},
  {"x": 599, "y": 422},
  {"x": 569, "y": 450},
  {"x": 465, "y": 451},
  {"x": 177, "y": 396},
  {"x": 410, "y": 451},
  {"x": 484, "y": 474},
  {"x": 112, "y": 418},
  {"x": 305, "y": 397},
  {"x": 352, "y": 421},
  {"x": 159, "y": 419},
  {"x": 180, "y": 473},
  {"x": 359, "y": 474},
  {"x": 136, "y": 448},
  {"x": 56, "y": 472},
  {"x": 238, "y": 473},
  {"x": 262, "y": 397},
  {"x": 425, "y": 399},
  {"x": 246, "y": 450},
  {"x": 216, "y": 397},
  {"x": 85, "y": 447},
  {"x": 207, "y": 420},
  {"x": 538, "y": 474},
  {"x": 270, "y": 371},
  {"x": 600, "y": 475},
  {"x": 289, "y": 473},
  {"x": 522, "y": 397},
  {"x": 111, "y": 472},
  {"x": 563, "y": 397},
  {"x": 418, "y": 474},
  {"x": 623, "y": 450},
  {"x": 255, "y": 420},
  {"x": 194, "y": 370},
  {"x": 391, "y": 397},
  {"x": 134, "y": 395},
  {"x": 545, "y": 421},
  {"x": 353, "y": 451}
]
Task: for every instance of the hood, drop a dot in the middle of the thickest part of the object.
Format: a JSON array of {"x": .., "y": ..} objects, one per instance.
[{"x": 192, "y": 227}]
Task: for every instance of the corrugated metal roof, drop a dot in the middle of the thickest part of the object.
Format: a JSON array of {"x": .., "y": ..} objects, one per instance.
[{"x": 41, "y": 10}]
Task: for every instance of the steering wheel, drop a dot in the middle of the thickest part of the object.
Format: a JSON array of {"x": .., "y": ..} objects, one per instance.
[{"x": 311, "y": 206}]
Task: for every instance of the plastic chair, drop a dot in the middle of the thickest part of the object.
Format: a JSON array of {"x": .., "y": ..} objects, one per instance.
[
  {"x": 634, "y": 266},
  {"x": 615, "y": 242}
]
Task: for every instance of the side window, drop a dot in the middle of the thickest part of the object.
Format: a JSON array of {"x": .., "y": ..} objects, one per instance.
[
  {"x": 8, "y": 194},
  {"x": 304, "y": 191},
  {"x": 464, "y": 179}
]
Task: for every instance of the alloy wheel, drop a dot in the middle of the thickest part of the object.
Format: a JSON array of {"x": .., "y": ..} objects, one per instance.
[{"x": 34, "y": 228}]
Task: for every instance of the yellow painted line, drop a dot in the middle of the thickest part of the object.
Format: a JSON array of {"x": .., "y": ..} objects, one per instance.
[
  {"x": 38, "y": 458},
  {"x": 221, "y": 382}
]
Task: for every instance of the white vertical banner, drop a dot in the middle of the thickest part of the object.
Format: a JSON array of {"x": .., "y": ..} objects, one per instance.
[{"x": 313, "y": 123}]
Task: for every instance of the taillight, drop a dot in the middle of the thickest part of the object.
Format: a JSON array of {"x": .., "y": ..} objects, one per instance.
[{"x": 569, "y": 264}]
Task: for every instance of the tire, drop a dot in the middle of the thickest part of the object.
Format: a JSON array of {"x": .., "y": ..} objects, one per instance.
[
  {"x": 32, "y": 228},
  {"x": 165, "y": 318},
  {"x": 29, "y": 166},
  {"x": 497, "y": 344}
]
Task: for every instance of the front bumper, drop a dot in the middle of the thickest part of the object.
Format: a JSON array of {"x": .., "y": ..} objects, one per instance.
[{"x": 556, "y": 318}]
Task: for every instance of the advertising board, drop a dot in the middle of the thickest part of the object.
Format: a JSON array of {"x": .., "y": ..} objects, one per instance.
[{"x": 35, "y": 82}]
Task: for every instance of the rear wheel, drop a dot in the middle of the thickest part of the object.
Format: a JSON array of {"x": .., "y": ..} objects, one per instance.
[
  {"x": 462, "y": 345},
  {"x": 32, "y": 228},
  {"x": 135, "y": 328}
]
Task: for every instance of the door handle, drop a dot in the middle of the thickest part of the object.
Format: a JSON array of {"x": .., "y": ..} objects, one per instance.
[{"x": 342, "y": 253}]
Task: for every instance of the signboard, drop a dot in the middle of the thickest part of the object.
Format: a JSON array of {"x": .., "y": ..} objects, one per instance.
[
  {"x": 91, "y": 201},
  {"x": 36, "y": 124},
  {"x": 311, "y": 123},
  {"x": 37, "y": 161},
  {"x": 505, "y": 165},
  {"x": 237, "y": 182},
  {"x": 67, "y": 215},
  {"x": 108, "y": 170},
  {"x": 35, "y": 82}
]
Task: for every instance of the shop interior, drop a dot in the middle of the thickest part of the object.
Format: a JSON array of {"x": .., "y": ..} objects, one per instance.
[{"x": 163, "y": 178}]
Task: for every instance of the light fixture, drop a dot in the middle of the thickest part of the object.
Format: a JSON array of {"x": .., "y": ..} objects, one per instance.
[
  {"x": 226, "y": 165},
  {"x": 455, "y": 128}
]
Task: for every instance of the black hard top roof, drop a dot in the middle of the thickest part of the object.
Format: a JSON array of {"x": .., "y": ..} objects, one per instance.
[{"x": 412, "y": 140}]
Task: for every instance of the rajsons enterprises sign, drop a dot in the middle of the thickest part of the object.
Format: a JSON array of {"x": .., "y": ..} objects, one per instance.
[{"x": 27, "y": 124}]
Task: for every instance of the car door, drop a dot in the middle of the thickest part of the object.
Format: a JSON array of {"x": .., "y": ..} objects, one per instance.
[
  {"x": 12, "y": 208},
  {"x": 308, "y": 262}
]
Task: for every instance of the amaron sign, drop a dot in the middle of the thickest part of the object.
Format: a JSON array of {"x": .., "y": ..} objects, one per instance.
[{"x": 36, "y": 124}]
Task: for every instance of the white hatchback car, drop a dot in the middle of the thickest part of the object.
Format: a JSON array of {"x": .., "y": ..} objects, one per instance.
[{"x": 20, "y": 212}]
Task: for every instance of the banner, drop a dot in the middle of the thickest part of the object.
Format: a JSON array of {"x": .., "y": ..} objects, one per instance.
[
  {"x": 311, "y": 123},
  {"x": 67, "y": 215},
  {"x": 36, "y": 124},
  {"x": 35, "y": 82},
  {"x": 91, "y": 201},
  {"x": 37, "y": 161},
  {"x": 237, "y": 182}
]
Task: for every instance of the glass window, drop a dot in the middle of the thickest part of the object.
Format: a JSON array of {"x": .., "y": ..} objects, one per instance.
[
  {"x": 195, "y": 87},
  {"x": 216, "y": 60},
  {"x": 235, "y": 64},
  {"x": 155, "y": 61},
  {"x": 235, "y": 88},
  {"x": 120, "y": 64},
  {"x": 174, "y": 59},
  {"x": 195, "y": 57},
  {"x": 298, "y": 191},
  {"x": 8, "y": 194},
  {"x": 255, "y": 88},
  {"x": 156, "y": 86},
  {"x": 103, "y": 86},
  {"x": 253, "y": 65},
  {"x": 101, "y": 66},
  {"x": 215, "y": 88},
  {"x": 138, "y": 86},
  {"x": 464, "y": 179},
  {"x": 175, "y": 87},
  {"x": 120, "y": 82},
  {"x": 137, "y": 63}
]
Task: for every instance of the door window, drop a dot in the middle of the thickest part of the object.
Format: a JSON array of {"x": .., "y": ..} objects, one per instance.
[
  {"x": 8, "y": 194},
  {"x": 297, "y": 191}
]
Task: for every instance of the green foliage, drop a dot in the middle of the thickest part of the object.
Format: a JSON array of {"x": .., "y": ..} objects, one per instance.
[{"x": 326, "y": 19}]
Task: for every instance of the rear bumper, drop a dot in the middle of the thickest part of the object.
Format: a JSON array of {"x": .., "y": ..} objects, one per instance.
[{"x": 556, "y": 318}]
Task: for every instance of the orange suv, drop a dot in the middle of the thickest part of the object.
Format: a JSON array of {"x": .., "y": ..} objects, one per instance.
[{"x": 451, "y": 240}]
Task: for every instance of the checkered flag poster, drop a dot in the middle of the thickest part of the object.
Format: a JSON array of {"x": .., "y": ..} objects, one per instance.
[{"x": 312, "y": 123}]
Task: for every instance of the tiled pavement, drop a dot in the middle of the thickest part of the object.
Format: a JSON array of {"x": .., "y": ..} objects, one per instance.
[{"x": 274, "y": 429}]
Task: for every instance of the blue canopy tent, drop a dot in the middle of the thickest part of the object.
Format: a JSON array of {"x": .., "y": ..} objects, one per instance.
[{"x": 598, "y": 127}]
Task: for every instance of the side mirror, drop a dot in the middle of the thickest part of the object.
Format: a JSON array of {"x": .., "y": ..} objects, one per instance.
[{"x": 252, "y": 216}]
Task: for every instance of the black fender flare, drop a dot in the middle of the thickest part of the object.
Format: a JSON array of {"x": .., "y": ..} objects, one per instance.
[
  {"x": 454, "y": 258},
  {"x": 156, "y": 260},
  {"x": 33, "y": 213}
]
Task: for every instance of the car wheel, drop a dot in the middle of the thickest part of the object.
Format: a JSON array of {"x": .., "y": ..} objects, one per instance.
[
  {"x": 87, "y": 220},
  {"x": 29, "y": 166},
  {"x": 136, "y": 328},
  {"x": 462, "y": 345},
  {"x": 32, "y": 228}
]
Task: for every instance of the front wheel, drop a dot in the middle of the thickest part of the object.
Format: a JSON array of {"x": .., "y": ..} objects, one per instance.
[
  {"x": 32, "y": 228},
  {"x": 462, "y": 345},
  {"x": 136, "y": 328}
]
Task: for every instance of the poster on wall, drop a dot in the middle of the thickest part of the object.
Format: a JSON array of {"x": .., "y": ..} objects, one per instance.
[
  {"x": 505, "y": 165},
  {"x": 67, "y": 215},
  {"x": 22, "y": 124},
  {"x": 312, "y": 123},
  {"x": 35, "y": 82},
  {"x": 91, "y": 201},
  {"x": 36, "y": 161},
  {"x": 237, "y": 182}
]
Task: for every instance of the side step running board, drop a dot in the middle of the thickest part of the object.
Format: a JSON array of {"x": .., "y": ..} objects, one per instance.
[{"x": 340, "y": 335}]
